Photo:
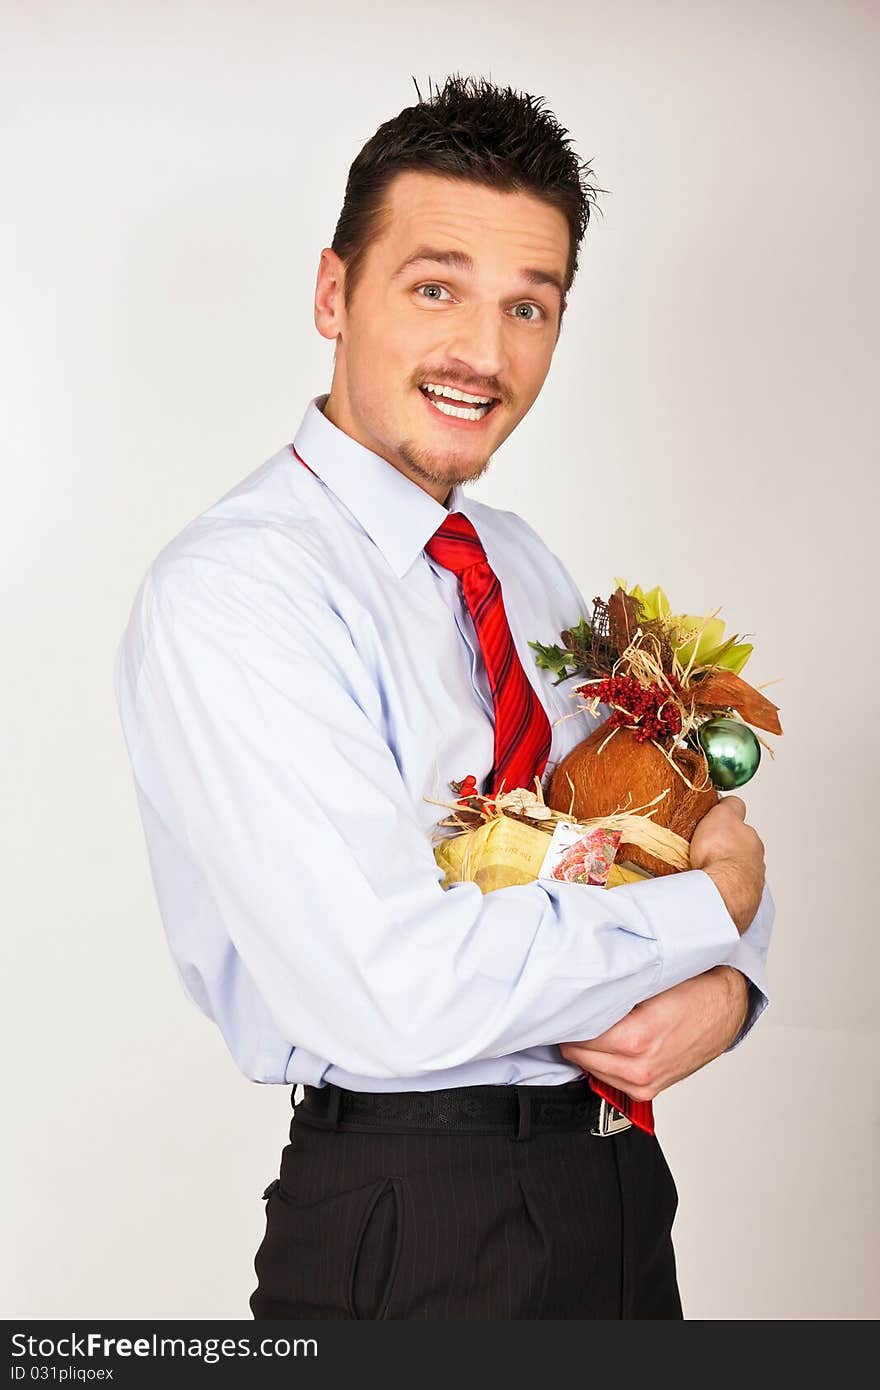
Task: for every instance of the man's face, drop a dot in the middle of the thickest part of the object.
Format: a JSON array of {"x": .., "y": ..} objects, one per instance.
[{"x": 473, "y": 321}]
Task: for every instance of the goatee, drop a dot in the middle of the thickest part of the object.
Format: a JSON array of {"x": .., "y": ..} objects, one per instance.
[{"x": 437, "y": 470}]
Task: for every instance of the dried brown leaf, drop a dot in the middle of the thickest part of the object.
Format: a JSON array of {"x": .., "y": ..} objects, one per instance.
[{"x": 726, "y": 690}]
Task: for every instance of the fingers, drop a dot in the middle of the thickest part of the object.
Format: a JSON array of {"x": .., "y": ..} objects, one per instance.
[
  {"x": 602, "y": 1065},
  {"x": 639, "y": 1080},
  {"x": 736, "y": 804}
]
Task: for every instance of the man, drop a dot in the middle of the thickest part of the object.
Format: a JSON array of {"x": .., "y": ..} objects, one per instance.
[{"x": 304, "y": 674}]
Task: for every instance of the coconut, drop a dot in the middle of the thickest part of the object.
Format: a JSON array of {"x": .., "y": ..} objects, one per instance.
[{"x": 625, "y": 775}]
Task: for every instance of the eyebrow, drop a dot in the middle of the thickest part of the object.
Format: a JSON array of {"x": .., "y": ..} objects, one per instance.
[{"x": 460, "y": 260}]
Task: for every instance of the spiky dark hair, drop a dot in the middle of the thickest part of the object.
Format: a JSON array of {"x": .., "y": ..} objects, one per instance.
[{"x": 469, "y": 129}]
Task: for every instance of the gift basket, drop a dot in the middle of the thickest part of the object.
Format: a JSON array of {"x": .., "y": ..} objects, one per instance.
[{"x": 676, "y": 725}]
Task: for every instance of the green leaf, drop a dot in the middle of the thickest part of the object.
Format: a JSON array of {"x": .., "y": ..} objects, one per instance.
[
  {"x": 710, "y": 638},
  {"x": 581, "y": 632},
  {"x": 736, "y": 656},
  {"x": 656, "y": 604},
  {"x": 553, "y": 658}
]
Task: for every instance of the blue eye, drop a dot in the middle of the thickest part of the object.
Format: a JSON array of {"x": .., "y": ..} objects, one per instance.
[{"x": 526, "y": 304}]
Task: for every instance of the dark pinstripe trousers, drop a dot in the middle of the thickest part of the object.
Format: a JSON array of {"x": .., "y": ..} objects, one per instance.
[{"x": 468, "y": 1226}]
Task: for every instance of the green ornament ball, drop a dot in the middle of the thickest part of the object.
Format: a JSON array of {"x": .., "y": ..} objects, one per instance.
[{"x": 732, "y": 752}]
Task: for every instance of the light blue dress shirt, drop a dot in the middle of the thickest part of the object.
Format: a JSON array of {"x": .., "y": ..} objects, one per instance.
[{"x": 296, "y": 681}]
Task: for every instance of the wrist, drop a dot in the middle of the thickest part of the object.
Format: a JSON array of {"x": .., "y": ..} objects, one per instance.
[
  {"x": 737, "y": 994},
  {"x": 727, "y": 876}
]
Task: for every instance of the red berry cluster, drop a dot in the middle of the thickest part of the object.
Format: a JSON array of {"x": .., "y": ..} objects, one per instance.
[
  {"x": 467, "y": 788},
  {"x": 470, "y": 797},
  {"x": 652, "y": 714}
]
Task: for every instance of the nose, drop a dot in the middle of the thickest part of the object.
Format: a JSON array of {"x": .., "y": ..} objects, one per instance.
[{"x": 478, "y": 346}]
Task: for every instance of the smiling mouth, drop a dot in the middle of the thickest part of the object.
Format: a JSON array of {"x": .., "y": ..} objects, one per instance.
[{"x": 472, "y": 408}]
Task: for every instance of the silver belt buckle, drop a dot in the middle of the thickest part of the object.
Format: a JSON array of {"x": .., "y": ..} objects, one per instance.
[{"x": 610, "y": 1121}]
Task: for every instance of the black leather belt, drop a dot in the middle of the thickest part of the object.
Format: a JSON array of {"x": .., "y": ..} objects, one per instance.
[{"x": 517, "y": 1111}]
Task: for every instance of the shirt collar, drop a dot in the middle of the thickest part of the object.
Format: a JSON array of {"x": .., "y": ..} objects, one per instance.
[{"x": 397, "y": 514}]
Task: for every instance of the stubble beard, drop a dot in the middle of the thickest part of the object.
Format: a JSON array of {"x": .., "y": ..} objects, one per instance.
[{"x": 446, "y": 470}]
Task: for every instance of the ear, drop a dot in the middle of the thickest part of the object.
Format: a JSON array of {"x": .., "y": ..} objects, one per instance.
[{"x": 329, "y": 303}]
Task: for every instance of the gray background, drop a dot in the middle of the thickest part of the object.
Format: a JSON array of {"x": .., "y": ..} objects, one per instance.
[{"x": 174, "y": 172}]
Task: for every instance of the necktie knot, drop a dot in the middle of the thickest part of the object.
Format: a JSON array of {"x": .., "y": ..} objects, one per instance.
[{"x": 455, "y": 545}]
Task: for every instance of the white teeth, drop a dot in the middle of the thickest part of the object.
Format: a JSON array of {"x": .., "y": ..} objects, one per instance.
[
  {"x": 459, "y": 411},
  {"x": 455, "y": 395}
]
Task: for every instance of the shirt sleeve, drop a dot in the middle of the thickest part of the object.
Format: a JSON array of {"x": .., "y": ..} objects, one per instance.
[{"x": 255, "y": 733}]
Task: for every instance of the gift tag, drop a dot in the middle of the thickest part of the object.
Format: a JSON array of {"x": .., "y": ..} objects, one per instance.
[{"x": 580, "y": 854}]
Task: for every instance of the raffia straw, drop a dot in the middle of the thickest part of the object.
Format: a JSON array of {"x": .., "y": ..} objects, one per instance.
[
  {"x": 674, "y": 765},
  {"x": 574, "y": 695},
  {"x": 607, "y": 739},
  {"x": 571, "y": 803},
  {"x": 456, "y": 819},
  {"x": 695, "y": 638},
  {"x": 640, "y": 829},
  {"x": 635, "y": 823},
  {"x": 656, "y": 839},
  {"x": 763, "y": 743},
  {"x": 465, "y": 872},
  {"x": 643, "y": 810}
]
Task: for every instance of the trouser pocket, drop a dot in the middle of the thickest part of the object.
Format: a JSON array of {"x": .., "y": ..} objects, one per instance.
[{"x": 333, "y": 1258}]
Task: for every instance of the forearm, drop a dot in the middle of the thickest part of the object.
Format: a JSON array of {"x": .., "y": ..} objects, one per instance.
[{"x": 736, "y": 1000}]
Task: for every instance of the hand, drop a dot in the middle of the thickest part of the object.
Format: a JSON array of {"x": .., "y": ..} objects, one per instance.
[
  {"x": 668, "y": 1037},
  {"x": 732, "y": 854}
]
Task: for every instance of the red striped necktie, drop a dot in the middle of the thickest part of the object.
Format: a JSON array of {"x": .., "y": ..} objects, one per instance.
[{"x": 522, "y": 729}]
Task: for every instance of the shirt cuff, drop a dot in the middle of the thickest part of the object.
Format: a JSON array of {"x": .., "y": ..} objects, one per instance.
[
  {"x": 750, "y": 964},
  {"x": 689, "y": 921}
]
